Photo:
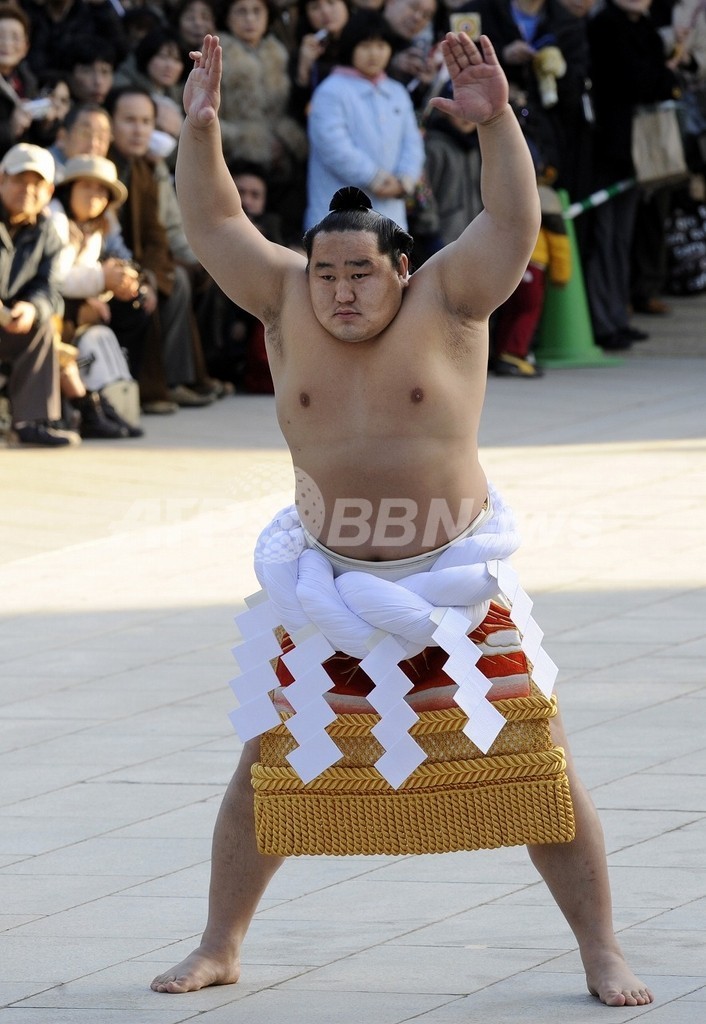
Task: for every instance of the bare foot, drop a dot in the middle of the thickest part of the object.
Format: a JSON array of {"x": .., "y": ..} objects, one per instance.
[
  {"x": 610, "y": 979},
  {"x": 198, "y": 970}
]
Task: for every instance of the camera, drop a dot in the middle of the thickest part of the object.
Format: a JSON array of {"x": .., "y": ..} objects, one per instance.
[
  {"x": 38, "y": 109},
  {"x": 142, "y": 285}
]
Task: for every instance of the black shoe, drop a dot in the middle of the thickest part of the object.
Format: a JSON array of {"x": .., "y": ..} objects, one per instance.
[
  {"x": 506, "y": 365},
  {"x": 94, "y": 424},
  {"x": 652, "y": 307},
  {"x": 41, "y": 435},
  {"x": 112, "y": 414},
  {"x": 632, "y": 333},
  {"x": 615, "y": 342}
]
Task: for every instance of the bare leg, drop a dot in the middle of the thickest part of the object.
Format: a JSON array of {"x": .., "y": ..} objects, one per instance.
[
  {"x": 239, "y": 877},
  {"x": 577, "y": 876}
]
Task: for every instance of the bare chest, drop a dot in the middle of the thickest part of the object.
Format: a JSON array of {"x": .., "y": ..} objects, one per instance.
[{"x": 334, "y": 390}]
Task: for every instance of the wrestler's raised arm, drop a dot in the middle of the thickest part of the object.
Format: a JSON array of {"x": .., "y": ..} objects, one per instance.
[
  {"x": 485, "y": 264},
  {"x": 250, "y": 269}
]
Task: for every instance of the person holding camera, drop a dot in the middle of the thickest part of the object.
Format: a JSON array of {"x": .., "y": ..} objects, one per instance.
[{"x": 19, "y": 104}]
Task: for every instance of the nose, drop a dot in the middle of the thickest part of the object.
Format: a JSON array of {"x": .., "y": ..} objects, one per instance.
[{"x": 344, "y": 291}]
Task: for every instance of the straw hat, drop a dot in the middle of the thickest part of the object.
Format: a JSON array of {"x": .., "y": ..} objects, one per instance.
[{"x": 97, "y": 168}]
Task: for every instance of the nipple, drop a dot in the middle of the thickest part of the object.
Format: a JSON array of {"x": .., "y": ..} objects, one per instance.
[
  {"x": 417, "y": 395},
  {"x": 304, "y": 399}
]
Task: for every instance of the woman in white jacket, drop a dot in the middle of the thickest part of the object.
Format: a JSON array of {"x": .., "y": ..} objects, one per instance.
[
  {"x": 82, "y": 216},
  {"x": 362, "y": 126}
]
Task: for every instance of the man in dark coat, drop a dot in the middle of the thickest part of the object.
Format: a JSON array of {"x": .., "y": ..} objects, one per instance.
[{"x": 29, "y": 252}]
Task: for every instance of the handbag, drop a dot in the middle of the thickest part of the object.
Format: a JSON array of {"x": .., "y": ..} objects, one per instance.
[
  {"x": 685, "y": 240},
  {"x": 657, "y": 147}
]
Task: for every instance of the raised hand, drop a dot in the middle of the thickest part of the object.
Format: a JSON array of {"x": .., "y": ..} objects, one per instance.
[
  {"x": 202, "y": 92},
  {"x": 479, "y": 84}
]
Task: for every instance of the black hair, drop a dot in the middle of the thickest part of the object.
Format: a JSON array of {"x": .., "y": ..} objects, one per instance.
[
  {"x": 361, "y": 27},
  {"x": 87, "y": 50},
  {"x": 115, "y": 95},
  {"x": 350, "y": 209},
  {"x": 304, "y": 26},
  {"x": 225, "y": 11},
  {"x": 76, "y": 109},
  {"x": 239, "y": 166},
  {"x": 150, "y": 45},
  {"x": 178, "y": 9},
  {"x": 138, "y": 21}
]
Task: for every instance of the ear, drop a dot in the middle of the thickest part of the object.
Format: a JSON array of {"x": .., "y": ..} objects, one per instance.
[{"x": 403, "y": 269}]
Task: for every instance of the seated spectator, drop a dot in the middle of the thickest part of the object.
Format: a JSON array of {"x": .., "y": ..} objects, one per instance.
[
  {"x": 168, "y": 288},
  {"x": 87, "y": 281},
  {"x": 29, "y": 299},
  {"x": 236, "y": 344},
  {"x": 255, "y": 95},
  {"x": 53, "y": 86},
  {"x": 319, "y": 27},
  {"x": 56, "y": 24},
  {"x": 90, "y": 65},
  {"x": 139, "y": 21},
  {"x": 156, "y": 64},
  {"x": 17, "y": 82},
  {"x": 87, "y": 128},
  {"x": 194, "y": 19},
  {"x": 362, "y": 126}
]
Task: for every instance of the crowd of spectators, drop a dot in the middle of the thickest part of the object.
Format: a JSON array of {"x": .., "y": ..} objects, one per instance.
[{"x": 316, "y": 94}]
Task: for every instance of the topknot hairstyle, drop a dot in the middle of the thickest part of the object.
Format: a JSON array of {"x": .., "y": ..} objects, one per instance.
[
  {"x": 349, "y": 198},
  {"x": 351, "y": 209}
]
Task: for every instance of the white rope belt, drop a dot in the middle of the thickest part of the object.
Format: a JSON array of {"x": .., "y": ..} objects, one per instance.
[{"x": 382, "y": 623}]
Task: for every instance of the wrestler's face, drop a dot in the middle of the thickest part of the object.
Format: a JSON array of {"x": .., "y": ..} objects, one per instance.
[{"x": 355, "y": 290}]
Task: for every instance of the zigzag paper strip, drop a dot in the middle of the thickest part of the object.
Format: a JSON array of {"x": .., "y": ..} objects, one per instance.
[
  {"x": 543, "y": 670},
  {"x": 316, "y": 751},
  {"x": 484, "y": 721},
  {"x": 256, "y": 713},
  {"x": 402, "y": 753}
]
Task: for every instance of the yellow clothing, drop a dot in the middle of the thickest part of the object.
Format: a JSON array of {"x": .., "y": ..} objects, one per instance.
[{"x": 552, "y": 251}]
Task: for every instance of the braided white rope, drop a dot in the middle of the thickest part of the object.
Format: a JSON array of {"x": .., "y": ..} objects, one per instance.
[{"x": 349, "y": 609}]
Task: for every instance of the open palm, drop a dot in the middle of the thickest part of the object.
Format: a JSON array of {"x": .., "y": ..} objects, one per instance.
[
  {"x": 202, "y": 92},
  {"x": 479, "y": 85}
]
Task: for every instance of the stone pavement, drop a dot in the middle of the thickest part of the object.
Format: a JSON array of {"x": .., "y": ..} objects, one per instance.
[{"x": 121, "y": 566}]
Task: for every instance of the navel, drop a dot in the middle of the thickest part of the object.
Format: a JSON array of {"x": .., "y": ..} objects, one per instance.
[
  {"x": 304, "y": 399},
  {"x": 416, "y": 394}
]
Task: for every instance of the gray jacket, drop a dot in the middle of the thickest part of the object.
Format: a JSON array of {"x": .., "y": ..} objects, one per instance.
[{"x": 29, "y": 265}]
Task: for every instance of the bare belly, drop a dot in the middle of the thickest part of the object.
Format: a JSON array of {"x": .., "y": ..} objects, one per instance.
[{"x": 388, "y": 500}]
